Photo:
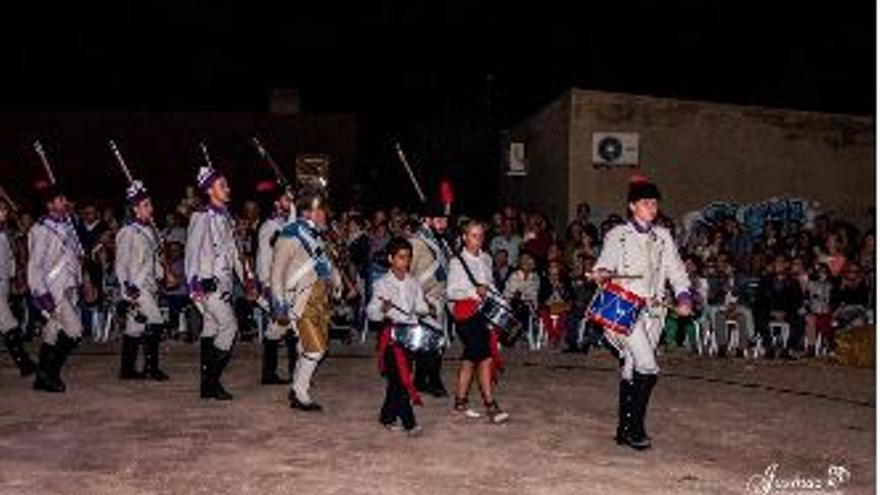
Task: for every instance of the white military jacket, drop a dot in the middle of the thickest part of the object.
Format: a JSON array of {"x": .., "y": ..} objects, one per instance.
[
  {"x": 137, "y": 256},
  {"x": 650, "y": 254},
  {"x": 211, "y": 250},
  {"x": 266, "y": 238},
  {"x": 55, "y": 257}
]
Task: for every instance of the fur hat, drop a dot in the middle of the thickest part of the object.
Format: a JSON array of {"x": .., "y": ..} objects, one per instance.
[
  {"x": 641, "y": 188},
  {"x": 206, "y": 177},
  {"x": 136, "y": 192}
]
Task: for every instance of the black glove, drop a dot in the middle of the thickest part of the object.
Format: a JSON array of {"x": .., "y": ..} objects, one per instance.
[{"x": 209, "y": 285}]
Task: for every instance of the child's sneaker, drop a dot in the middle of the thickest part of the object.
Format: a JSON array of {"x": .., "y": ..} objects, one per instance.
[
  {"x": 414, "y": 432},
  {"x": 392, "y": 426},
  {"x": 461, "y": 405},
  {"x": 496, "y": 415}
]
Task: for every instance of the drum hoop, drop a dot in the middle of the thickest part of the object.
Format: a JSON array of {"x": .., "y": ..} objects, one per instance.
[{"x": 625, "y": 294}]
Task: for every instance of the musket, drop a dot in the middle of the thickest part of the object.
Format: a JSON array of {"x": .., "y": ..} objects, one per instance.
[
  {"x": 38, "y": 147},
  {"x": 264, "y": 154},
  {"x": 412, "y": 176}
]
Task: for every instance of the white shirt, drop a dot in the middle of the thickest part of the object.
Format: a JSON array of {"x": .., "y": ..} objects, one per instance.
[
  {"x": 405, "y": 294},
  {"x": 459, "y": 285}
]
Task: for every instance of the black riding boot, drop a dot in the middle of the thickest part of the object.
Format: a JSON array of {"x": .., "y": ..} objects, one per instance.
[
  {"x": 128, "y": 359},
  {"x": 219, "y": 360},
  {"x": 644, "y": 385},
  {"x": 206, "y": 346},
  {"x": 627, "y": 427},
  {"x": 15, "y": 346},
  {"x": 624, "y": 411},
  {"x": 45, "y": 379},
  {"x": 151, "y": 354},
  {"x": 270, "y": 364}
]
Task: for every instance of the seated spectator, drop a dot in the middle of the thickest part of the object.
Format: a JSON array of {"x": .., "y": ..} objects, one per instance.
[
  {"x": 507, "y": 239},
  {"x": 779, "y": 299},
  {"x": 818, "y": 319},
  {"x": 583, "y": 289},
  {"x": 833, "y": 256},
  {"x": 521, "y": 290},
  {"x": 725, "y": 305},
  {"x": 554, "y": 300},
  {"x": 501, "y": 270},
  {"x": 850, "y": 300}
]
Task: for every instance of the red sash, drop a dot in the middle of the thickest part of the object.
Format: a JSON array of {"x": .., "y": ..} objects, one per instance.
[{"x": 402, "y": 362}]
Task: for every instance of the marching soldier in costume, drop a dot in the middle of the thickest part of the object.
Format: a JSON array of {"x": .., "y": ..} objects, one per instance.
[
  {"x": 645, "y": 258},
  {"x": 302, "y": 280},
  {"x": 268, "y": 236},
  {"x": 9, "y": 329},
  {"x": 430, "y": 264},
  {"x": 55, "y": 277},
  {"x": 211, "y": 263},
  {"x": 138, "y": 269}
]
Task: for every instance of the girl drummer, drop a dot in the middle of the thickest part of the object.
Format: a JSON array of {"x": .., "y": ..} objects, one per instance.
[
  {"x": 468, "y": 284},
  {"x": 641, "y": 258},
  {"x": 397, "y": 300}
]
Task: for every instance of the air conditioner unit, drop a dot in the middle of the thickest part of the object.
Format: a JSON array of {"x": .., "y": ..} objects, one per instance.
[{"x": 615, "y": 148}]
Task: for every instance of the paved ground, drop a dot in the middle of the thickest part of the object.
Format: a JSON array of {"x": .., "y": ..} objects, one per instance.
[{"x": 716, "y": 424}]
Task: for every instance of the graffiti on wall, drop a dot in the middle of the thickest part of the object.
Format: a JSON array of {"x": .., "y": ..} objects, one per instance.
[{"x": 753, "y": 216}]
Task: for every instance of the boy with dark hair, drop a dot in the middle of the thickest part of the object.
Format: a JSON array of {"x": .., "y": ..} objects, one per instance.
[{"x": 397, "y": 300}]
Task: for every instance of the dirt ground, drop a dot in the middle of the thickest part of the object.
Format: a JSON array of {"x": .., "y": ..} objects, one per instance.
[{"x": 716, "y": 425}]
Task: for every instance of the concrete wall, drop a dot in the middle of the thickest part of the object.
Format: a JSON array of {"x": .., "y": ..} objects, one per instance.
[
  {"x": 699, "y": 152},
  {"x": 546, "y": 187}
]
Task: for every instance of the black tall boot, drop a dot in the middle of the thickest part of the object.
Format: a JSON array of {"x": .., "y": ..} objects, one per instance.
[
  {"x": 127, "y": 370},
  {"x": 290, "y": 341},
  {"x": 219, "y": 360},
  {"x": 625, "y": 398},
  {"x": 206, "y": 351},
  {"x": 270, "y": 364},
  {"x": 15, "y": 346},
  {"x": 628, "y": 427},
  {"x": 65, "y": 345},
  {"x": 45, "y": 379},
  {"x": 151, "y": 354},
  {"x": 644, "y": 385}
]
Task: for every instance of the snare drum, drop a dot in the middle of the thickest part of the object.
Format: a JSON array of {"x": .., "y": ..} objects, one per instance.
[
  {"x": 420, "y": 338},
  {"x": 495, "y": 310},
  {"x": 615, "y": 309}
]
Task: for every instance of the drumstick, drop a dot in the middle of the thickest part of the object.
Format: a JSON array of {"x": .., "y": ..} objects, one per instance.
[
  {"x": 398, "y": 308},
  {"x": 613, "y": 275},
  {"x": 45, "y": 161}
]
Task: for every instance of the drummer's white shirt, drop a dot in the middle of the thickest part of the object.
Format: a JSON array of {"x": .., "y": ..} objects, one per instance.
[
  {"x": 406, "y": 294},
  {"x": 458, "y": 285}
]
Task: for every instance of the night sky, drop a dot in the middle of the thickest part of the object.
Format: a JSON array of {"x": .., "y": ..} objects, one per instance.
[{"x": 443, "y": 77}]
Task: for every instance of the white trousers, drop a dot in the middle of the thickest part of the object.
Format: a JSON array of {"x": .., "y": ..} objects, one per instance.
[
  {"x": 637, "y": 349},
  {"x": 7, "y": 320},
  {"x": 219, "y": 320},
  {"x": 146, "y": 305},
  {"x": 66, "y": 316}
]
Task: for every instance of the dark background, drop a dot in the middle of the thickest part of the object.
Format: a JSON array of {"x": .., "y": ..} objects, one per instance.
[{"x": 443, "y": 78}]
